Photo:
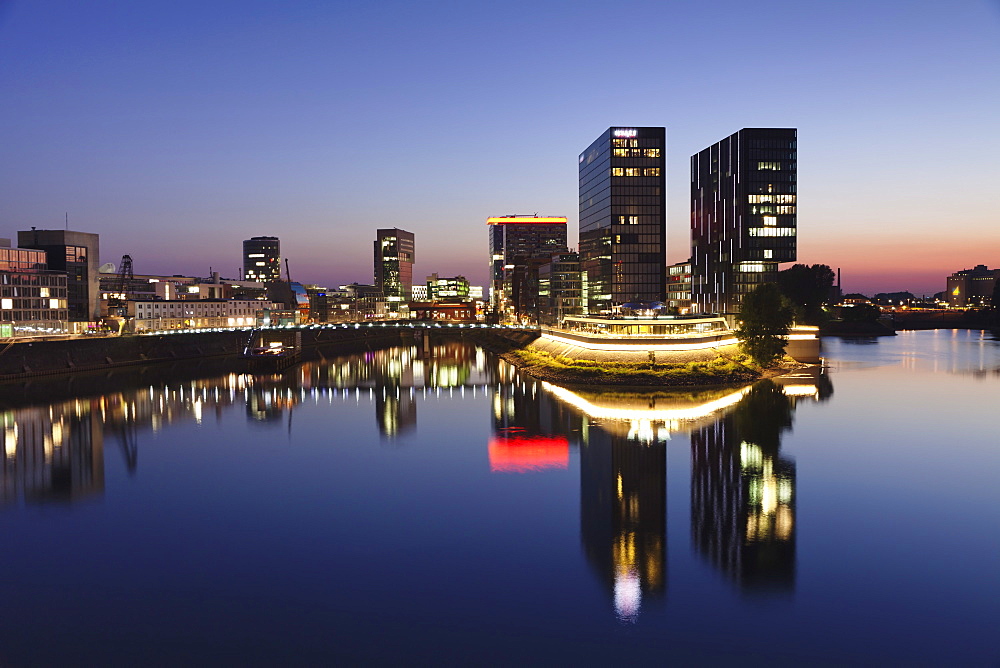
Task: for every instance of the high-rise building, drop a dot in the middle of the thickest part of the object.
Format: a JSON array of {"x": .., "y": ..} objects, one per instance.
[
  {"x": 743, "y": 219},
  {"x": 394, "y": 256},
  {"x": 77, "y": 254},
  {"x": 262, "y": 259},
  {"x": 623, "y": 218},
  {"x": 514, "y": 242}
]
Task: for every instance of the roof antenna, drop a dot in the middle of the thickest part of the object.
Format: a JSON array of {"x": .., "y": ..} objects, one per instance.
[{"x": 67, "y": 220}]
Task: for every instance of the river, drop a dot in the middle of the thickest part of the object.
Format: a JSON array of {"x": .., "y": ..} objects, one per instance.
[{"x": 401, "y": 506}]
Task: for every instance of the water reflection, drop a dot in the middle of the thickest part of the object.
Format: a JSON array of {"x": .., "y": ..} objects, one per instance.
[
  {"x": 54, "y": 454},
  {"x": 742, "y": 489}
]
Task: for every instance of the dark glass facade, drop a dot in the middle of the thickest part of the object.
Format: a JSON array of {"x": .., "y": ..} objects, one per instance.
[
  {"x": 517, "y": 245},
  {"x": 262, "y": 259},
  {"x": 743, "y": 220},
  {"x": 623, "y": 218},
  {"x": 394, "y": 256}
]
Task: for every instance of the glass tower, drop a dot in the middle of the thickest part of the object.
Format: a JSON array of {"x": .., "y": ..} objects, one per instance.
[
  {"x": 743, "y": 220},
  {"x": 394, "y": 264},
  {"x": 623, "y": 218},
  {"x": 262, "y": 259}
]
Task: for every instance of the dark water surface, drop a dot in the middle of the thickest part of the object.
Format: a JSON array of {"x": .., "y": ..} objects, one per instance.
[{"x": 397, "y": 507}]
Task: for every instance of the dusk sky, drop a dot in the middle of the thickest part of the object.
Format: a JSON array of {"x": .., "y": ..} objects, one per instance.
[{"x": 177, "y": 129}]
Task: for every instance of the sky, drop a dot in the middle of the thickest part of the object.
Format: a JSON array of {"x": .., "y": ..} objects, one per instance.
[{"x": 177, "y": 129}]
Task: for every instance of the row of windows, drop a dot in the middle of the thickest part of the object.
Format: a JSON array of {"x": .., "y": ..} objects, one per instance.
[
  {"x": 635, "y": 171},
  {"x": 636, "y": 153},
  {"x": 630, "y": 190},
  {"x": 637, "y": 238},
  {"x": 772, "y": 231},
  {"x": 646, "y": 142},
  {"x": 32, "y": 279},
  {"x": 771, "y": 199},
  {"x": 782, "y": 177},
  {"x": 785, "y": 210},
  {"x": 23, "y": 316},
  {"x": 772, "y": 143}
]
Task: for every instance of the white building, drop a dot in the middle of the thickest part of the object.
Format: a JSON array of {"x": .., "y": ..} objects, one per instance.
[{"x": 158, "y": 314}]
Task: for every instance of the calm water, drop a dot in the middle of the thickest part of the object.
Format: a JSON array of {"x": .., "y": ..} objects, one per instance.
[{"x": 399, "y": 507}]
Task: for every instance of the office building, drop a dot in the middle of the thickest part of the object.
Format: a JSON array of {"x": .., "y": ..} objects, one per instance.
[
  {"x": 32, "y": 299},
  {"x": 743, "y": 222},
  {"x": 77, "y": 254},
  {"x": 444, "y": 288},
  {"x": 394, "y": 257},
  {"x": 972, "y": 287},
  {"x": 559, "y": 288},
  {"x": 623, "y": 219},
  {"x": 679, "y": 287},
  {"x": 514, "y": 242},
  {"x": 262, "y": 259}
]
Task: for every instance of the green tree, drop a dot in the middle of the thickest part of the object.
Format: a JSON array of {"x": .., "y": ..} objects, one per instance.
[
  {"x": 808, "y": 287},
  {"x": 764, "y": 319}
]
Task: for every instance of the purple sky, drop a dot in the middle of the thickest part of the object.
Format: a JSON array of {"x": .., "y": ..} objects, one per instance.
[{"x": 177, "y": 129}]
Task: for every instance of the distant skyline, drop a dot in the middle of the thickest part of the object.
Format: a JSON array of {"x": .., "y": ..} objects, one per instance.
[{"x": 177, "y": 130}]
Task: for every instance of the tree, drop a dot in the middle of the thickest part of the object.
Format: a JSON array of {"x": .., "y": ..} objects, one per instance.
[
  {"x": 808, "y": 288},
  {"x": 764, "y": 319}
]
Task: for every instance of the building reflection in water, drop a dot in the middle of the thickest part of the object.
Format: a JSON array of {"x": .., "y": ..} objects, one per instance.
[
  {"x": 743, "y": 489},
  {"x": 51, "y": 455},
  {"x": 623, "y": 512},
  {"x": 530, "y": 430},
  {"x": 55, "y": 451}
]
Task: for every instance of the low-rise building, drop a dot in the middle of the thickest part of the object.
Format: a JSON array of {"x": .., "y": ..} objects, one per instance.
[{"x": 161, "y": 314}]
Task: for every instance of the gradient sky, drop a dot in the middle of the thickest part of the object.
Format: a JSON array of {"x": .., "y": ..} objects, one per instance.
[{"x": 177, "y": 129}]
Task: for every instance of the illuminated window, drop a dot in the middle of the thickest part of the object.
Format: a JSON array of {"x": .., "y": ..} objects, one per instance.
[
  {"x": 786, "y": 210},
  {"x": 617, "y": 171},
  {"x": 633, "y": 171},
  {"x": 751, "y": 266},
  {"x": 652, "y": 153},
  {"x": 6, "y": 303},
  {"x": 768, "y": 254},
  {"x": 774, "y": 166},
  {"x": 619, "y": 142},
  {"x": 651, "y": 171},
  {"x": 770, "y": 220},
  {"x": 621, "y": 152}
]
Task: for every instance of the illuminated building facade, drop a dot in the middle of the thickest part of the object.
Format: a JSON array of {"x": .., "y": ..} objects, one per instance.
[
  {"x": 679, "y": 286},
  {"x": 515, "y": 241},
  {"x": 262, "y": 259},
  {"x": 559, "y": 288},
  {"x": 78, "y": 255},
  {"x": 743, "y": 220},
  {"x": 394, "y": 257},
  {"x": 623, "y": 218},
  {"x": 455, "y": 288},
  {"x": 32, "y": 299},
  {"x": 972, "y": 287}
]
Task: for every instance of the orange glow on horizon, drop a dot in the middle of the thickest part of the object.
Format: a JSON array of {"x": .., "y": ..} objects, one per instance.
[{"x": 523, "y": 454}]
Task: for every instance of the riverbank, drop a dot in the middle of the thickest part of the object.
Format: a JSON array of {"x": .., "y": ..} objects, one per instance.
[{"x": 728, "y": 369}]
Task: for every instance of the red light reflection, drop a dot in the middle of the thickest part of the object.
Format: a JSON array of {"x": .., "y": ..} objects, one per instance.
[{"x": 523, "y": 454}]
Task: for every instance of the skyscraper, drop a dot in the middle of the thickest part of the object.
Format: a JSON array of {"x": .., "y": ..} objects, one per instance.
[
  {"x": 514, "y": 242},
  {"x": 623, "y": 218},
  {"x": 394, "y": 255},
  {"x": 743, "y": 219},
  {"x": 262, "y": 259}
]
